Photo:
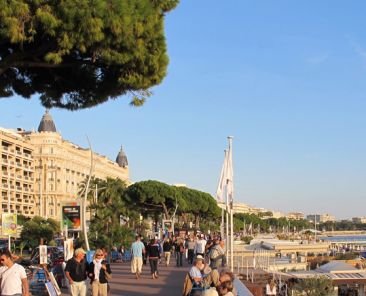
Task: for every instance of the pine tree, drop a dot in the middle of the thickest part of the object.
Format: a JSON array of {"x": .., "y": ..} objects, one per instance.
[{"x": 79, "y": 53}]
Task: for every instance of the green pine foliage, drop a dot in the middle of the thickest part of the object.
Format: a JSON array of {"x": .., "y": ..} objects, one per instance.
[
  {"x": 80, "y": 53},
  {"x": 315, "y": 286}
]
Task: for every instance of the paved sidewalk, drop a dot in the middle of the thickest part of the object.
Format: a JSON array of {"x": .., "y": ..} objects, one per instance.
[{"x": 169, "y": 283}]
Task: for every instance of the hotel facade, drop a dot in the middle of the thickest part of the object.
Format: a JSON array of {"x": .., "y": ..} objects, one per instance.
[{"x": 41, "y": 172}]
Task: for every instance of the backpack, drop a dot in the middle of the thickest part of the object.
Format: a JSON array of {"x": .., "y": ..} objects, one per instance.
[{"x": 214, "y": 253}]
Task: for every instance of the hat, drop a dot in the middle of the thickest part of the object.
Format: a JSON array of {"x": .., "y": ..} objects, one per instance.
[
  {"x": 79, "y": 250},
  {"x": 199, "y": 257}
]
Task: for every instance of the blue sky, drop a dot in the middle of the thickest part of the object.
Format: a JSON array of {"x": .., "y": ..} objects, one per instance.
[{"x": 287, "y": 79}]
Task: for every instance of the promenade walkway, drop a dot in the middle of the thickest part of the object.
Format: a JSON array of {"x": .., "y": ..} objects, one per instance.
[{"x": 169, "y": 283}]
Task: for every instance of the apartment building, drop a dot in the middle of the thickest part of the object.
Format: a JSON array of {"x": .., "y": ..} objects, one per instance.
[
  {"x": 17, "y": 174},
  {"x": 46, "y": 170}
]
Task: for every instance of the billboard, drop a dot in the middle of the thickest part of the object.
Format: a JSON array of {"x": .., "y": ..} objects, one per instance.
[
  {"x": 71, "y": 217},
  {"x": 9, "y": 224}
]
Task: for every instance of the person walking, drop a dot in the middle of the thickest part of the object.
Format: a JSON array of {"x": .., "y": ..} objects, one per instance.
[
  {"x": 217, "y": 254},
  {"x": 153, "y": 254},
  {"x": 271, "y": 288},
  {"x": 76, "y": 273},
  {"x": 99, "y": 272},
  {"x": 137, "y": 250},
  {"x": 180, "y": 251},
  {"x": 190, "y": 246},
  {"x": 12, "y": 276},
  {"x": 200, "y": 246},
  {"x": 167, "y": 248}
]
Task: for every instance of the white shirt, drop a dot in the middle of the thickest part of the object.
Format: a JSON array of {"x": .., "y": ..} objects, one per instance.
[
  {"x": 200, "y": 246},
  {"x": 11, "y": 279},
  {"x": 270, "y": 291}
]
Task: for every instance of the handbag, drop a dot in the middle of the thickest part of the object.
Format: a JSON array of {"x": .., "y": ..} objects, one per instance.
[{"x": 107, "y": 276}]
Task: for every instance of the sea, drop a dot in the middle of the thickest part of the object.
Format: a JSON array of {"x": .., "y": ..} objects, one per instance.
[{"x": 345, "y": 238}]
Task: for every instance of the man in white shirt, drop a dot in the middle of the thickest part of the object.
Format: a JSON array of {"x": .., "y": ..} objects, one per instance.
[
  {"x": 200, "y": 246},
  {"x": 13, "y": 277}
]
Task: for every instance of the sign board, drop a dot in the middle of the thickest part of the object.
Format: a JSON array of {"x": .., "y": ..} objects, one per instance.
[
  {"x": 42, "y": 254},
  {"x": 71, "y": 217},
  {"x": 68, "y": 249},
  {"x": 54, "y": 283},
  {"x": 168, "y": 227},
  {"x": 50, "y": 289},
  {"x": 9, "y": 224}
]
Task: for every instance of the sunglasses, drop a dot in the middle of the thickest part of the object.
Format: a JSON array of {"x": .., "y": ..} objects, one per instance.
[
  {"x": 98, "y": 254},
  {"x": 2, "y": 260}
]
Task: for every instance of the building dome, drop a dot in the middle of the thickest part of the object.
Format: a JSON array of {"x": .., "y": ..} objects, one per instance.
[
  {"x": 122, "y": 159},
  {"x": 47, "y": 124}
]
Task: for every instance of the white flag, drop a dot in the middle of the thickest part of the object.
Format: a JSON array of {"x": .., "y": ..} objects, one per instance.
[
  {"x": 250, "y": 226},
  {"x": 221, "y": 188}
]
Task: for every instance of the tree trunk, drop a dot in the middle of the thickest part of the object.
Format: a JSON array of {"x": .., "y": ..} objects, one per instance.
[
  {"x": 166, "y": 214},
  {"x": 197, "y": 217}
]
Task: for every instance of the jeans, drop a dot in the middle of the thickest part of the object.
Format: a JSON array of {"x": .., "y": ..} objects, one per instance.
[
  {"x": 190, "y": 256},
  {"x": 153, "y": 265},
  {"x": 179, "y": 259}
]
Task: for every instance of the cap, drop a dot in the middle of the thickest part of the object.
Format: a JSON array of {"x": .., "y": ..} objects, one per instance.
[
  {"x": 79, "y": 250},
  {"x": 199, "y": 257}
]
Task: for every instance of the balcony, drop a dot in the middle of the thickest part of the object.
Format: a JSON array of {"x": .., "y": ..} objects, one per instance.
[
  {"x": 19, "y": 188},
  {"x": 5, "y": 148},
  {"x": 28, "y": 168},
  {"x": 19, "y": 152},
  {"x": 19, "y": 177},
  {"x": 5, "y": 161},
  {"x": 4, "y": 185}
]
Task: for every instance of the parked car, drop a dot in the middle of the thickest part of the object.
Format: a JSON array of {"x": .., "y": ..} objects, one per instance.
[{"x": 4, "y": 244}]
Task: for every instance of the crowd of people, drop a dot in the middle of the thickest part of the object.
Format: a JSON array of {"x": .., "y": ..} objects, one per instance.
[{"x": 204, "y": 255}]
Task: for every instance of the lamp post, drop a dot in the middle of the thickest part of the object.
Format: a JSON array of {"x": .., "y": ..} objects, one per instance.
[{"x": 83, "y": 201}]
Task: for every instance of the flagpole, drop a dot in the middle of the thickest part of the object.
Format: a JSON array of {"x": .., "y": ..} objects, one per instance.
[
  {"x": 231, "y": 195},
  {"x": 220, "y": 194},
  {"x": 227, "y": 228}
]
